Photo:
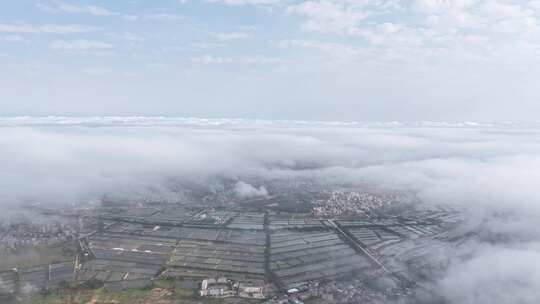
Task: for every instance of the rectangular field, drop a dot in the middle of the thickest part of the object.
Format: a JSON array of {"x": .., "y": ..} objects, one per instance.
[{"x": 297, "y": 257}]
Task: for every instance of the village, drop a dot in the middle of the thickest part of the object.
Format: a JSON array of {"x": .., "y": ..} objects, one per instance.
[{"x": 221, "y": 253}]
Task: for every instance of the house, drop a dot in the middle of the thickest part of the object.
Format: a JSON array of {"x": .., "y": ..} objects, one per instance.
[
  {"x": 248, "y": 290},
  {"x": 216, "y": 287}
]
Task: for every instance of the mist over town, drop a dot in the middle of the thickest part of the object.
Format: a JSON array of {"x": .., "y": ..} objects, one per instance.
[
  {"x": 269, "y": 151},
  {"x": 457, "y": 201}
]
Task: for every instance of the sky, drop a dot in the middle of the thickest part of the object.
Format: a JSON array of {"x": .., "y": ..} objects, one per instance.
[{"x": 347, "y": 60}]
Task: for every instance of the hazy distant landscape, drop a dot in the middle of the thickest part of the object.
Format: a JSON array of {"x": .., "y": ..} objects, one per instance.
[
  {"x": 269, "y": 151},
  {"x": 332, "y": 212}
]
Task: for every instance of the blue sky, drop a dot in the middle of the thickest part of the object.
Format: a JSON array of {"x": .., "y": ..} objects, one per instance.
[{"x": 273, "y": 59}]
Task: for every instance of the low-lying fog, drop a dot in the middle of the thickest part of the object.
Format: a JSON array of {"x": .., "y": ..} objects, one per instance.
[{"x": 492, "y": 172}]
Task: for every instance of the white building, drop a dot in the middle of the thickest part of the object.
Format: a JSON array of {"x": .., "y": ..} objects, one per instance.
[
  {"x": 246, "y": 290},
  {"x": 216, "y": 287}
]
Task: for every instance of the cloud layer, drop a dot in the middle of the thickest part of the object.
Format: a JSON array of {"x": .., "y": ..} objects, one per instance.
[
  {"x": 455, "y": 163},
  {"x": 490, "y": 172}
]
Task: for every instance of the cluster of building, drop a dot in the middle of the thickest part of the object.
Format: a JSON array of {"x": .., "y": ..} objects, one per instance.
[
  {"x": 16, "y": 236},
  {"x": 213, "y": 217},
  {"x": 339, "y": 203},
  {"x": 257, "y": 254},
  {"x": 221, "y": 287},
  {"x": 350, "y": 290}
]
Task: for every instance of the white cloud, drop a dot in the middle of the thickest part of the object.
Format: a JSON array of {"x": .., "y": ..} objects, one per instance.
[
  {"x": 206, "y": 45},
  {"x": 495, "y": 275},
  {"x": 439, "y": 6},
  {"x": 47, "y": 8},
  {"x": 260, "y": 60},
  {"x": 247, "y": 2},
  {"x": 62, "y": 7},
  {"x": 57, "y": 7},
  {"x": 427, "y": 28},
  {"x": 128, "y": 36},
  {"x": 154, "y": 17},
  {"x": 231, "y": 36},
  {"x": 163, "y": 17},
  {"x": 210, "y": 59},
  {"x": 87, "y": 9},
  {"x": 247, "y": 60},
  {"x": 499, "y": 10},
  {"x": 336, "y": 51},
  {"x": 246, "y": 190},
  {"x": 155, "y": 65},
  {"x": 80, "y": 45},
  {"x": 24, "y": 28},
  {"x": 130, "y": 17},
  {"x": 14, "y": 38},
  {"x": 96, "y": 71},
  {"x": 329, "y": 16},
  {"x": 534, "y": 4},
  {"x": 444, "y": 163}
]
